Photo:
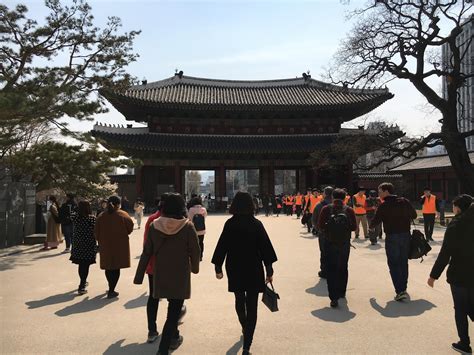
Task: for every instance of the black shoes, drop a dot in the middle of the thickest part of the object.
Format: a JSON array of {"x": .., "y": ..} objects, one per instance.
[
  {"x": 112, "y": 294},
  {"x": 246, "y": 352},
  {"x": 334, "y": 304},
  {"x": 462, "y": 348},
  {"x": 176, "y": 342},
  {"x": 152, "y": 336}
]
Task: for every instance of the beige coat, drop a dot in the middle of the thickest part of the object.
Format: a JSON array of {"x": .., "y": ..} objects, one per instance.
[
  {"x": 175, "y": 244},
  {"x": 111, "y": 233},
  {"x": 53, "y": 229}
]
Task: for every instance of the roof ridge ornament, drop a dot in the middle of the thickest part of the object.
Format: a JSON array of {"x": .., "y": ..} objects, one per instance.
[{"x": 179, "y": 74}]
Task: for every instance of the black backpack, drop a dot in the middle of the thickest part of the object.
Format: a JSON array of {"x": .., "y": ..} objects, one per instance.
[
  {"x": 419, "y": 246},
  {"x": 198, "y": 221},
  {"x": 338, "y": 227}
]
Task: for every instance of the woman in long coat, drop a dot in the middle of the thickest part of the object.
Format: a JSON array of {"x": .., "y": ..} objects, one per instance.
[
  {"x": 246, "y": 248},
  {"x": 111, "y": 232},
  {"x": 53, "y": 229},
  {"x": 84, "y": 246}
]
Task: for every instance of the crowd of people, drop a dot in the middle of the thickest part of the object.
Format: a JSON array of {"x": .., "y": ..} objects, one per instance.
[{"x": 174, "y": 245}]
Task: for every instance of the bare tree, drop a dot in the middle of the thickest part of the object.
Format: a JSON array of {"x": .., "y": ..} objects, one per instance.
[{"x": 396, "y": 39}]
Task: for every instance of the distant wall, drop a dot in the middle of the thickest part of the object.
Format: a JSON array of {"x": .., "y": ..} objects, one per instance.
[{"x": 17, "y": 212}]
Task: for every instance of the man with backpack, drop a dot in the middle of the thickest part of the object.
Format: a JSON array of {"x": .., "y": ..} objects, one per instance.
[
  {"x": 197, "y": 214},
  {"x": 337, "y": 222},
  {"x": 65, "y": 211},
  {"x": 327, "y": 200},
  {"x": 396, "y": 214}
]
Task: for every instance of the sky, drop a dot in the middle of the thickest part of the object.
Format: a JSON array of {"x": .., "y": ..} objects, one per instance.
[{"x": 244, "y": 40}]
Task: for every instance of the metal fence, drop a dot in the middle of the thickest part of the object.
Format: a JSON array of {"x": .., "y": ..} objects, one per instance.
[{"x": 17, "y": 212}]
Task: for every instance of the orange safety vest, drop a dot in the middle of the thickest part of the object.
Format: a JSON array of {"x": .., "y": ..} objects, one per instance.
[
  {"x": 313, "y": 202},
  {"x": 346, "y": 199},
  {"x": 429, "y": 207},
  {"x": 299, "y": 200},
  {"x": 360, "y": 201}
]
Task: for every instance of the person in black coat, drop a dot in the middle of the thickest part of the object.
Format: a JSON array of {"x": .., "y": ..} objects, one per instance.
[
  {"x": 458, "y": 251},
  {"x": 245, "y": 246}
]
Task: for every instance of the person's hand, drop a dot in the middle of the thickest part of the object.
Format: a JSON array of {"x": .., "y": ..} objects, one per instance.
[
  {"x": 431, "y": 282},
  {"x": 269, "y": 279},
  {"x": 219, "y": 276}
]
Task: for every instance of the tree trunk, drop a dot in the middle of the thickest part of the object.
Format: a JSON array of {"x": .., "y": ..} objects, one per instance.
[{"x": 456, "y": 147}]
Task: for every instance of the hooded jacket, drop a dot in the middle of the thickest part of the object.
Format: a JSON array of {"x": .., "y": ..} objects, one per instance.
[
  {"x": 458, "y": 251},
  {"x": 174, "y": 244}
]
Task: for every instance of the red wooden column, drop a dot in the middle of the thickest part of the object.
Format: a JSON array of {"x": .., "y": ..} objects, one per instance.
[
  {"x": 177, "y": 178},
  {"x": 221, "y": 188},
  {"x": 271, "y": 180}
]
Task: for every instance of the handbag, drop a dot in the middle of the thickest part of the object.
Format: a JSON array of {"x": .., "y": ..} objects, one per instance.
[
  {"x": 419, "y": 246},
  {"x": 270, "y": 298}
]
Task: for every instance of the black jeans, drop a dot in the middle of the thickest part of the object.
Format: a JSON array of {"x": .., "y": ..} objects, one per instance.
[
  {"x": 429, "y": 222},
  {"x": 83, "y": 270},
  {"x": 67, "y": 231},
  {"x": 201, "y": 244},
  {"x": 309, "y": 222},
  {"x": 298, "y": 211},
  {"x": 322, "y": 255},
  {"x": 112, "y": 278},
  {"x": 337, "y": 257},
  {"x": 170, "y": 329},
  {"x": 246, "y": 304},
  {"x": 463, "y": 298},
  {"x": 375, "y": 233},
  {"x": 397, "y": 248},
  {"x": 151, "y": 307}
]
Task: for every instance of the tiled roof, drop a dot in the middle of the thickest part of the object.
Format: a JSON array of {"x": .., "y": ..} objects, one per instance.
[
  {"x": 429, "y": 162},
  {"x": 220, "y": 144},
  {"x": 252, "y": 95},
  {"x": 376, "y": 176}
]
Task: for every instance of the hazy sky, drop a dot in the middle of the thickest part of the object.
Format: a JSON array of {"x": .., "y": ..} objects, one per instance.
[{"x": 243, "y": 40}]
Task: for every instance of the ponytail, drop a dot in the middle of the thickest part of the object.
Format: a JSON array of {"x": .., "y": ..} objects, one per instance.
[{"x": 112, "y": 203}]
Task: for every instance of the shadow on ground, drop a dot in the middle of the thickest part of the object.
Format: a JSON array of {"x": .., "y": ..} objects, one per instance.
[
  {"x": 86, "y": 305},
  {"x": 394, "y": 309},
  {"x": 55, "y": 299},
  {"x": 340, "y": 314},
  {"x": 138, "y": 302},
  {"x": 320, "y": 289},
  {"x": 134, "y": 348},
  {"x": 234, "y": 349},
  {"x": 10, "y": 263}
]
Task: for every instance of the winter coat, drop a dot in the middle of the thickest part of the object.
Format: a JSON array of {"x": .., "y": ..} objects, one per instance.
[
  {"x": 84, "y": 245},
  {"x": 53, "y": 230},
  {"x": 245, "y": 246},
  {"x": 198, "y": 209},
  {"x": 175, "y": 245},
  {"x": 111, "y": 233},
  {"x": 458, "y": 251}
]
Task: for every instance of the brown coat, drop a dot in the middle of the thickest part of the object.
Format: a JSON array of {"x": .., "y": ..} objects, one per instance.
[
  {"x": 175, "y": 244},
  {"x": 53, "y": 230},
  {"x": 111, "y": 233}
]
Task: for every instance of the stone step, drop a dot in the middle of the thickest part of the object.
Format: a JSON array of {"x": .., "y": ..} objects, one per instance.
[{"x": 32, "y": 239}]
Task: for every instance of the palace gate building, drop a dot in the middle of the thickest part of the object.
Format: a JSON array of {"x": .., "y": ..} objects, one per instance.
[{"x": 266, "y": 126}]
